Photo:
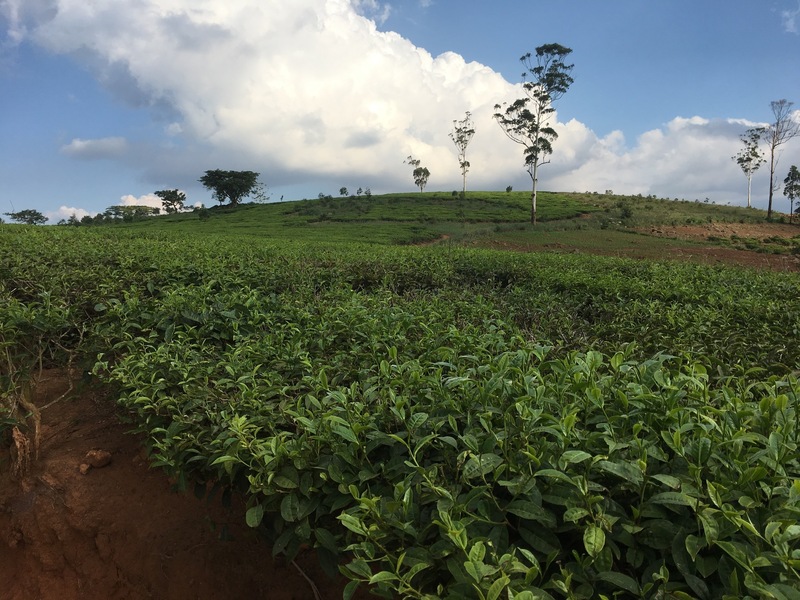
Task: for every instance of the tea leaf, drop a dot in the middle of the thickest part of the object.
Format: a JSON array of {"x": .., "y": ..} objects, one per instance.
[{"x": 594, "y": 539}]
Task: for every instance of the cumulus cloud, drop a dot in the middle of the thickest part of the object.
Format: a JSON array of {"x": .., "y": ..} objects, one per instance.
[
  {"x": 313, "y": 90},
  {"x": 65, "y": 212},
  {"x": 145, "y": 200},
  {"x": 110, "y": 147}
]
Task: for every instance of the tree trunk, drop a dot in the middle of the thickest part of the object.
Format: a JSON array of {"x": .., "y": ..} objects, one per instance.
[
  {"x": 749, "y": 186},
  {"x": 533, "y": 193},
  {"x": 771, "y": 181}
]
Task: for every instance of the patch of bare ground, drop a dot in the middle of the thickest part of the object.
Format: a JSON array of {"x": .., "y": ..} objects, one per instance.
[
  {"x": 722, "y": 255},
  {"x": 118, "y": 531},
  {"x": 725, "y": 230}
]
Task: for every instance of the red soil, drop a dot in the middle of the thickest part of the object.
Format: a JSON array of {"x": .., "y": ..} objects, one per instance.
[{"x": 119, "y": 532}]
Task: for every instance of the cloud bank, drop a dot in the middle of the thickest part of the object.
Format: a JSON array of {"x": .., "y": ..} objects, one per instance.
[{"x": 313, "y": 92}]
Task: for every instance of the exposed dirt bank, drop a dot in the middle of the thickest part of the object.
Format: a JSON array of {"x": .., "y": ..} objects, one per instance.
[{"x": 119, "y": 532}]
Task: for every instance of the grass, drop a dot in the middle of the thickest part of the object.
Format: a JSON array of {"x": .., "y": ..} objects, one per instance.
[{"x": 567, "y": 222}]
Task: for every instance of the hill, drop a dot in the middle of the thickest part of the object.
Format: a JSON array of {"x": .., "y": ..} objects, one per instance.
[{"x": 609, "y": 224}]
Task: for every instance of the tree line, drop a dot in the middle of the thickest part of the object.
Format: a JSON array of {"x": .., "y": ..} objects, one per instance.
[{"x": 751, "y": 157}]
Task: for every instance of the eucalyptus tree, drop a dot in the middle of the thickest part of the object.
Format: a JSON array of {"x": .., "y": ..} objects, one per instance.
[
  {"x": 420, "y": 173},
  {"x": 750, "y": 157},
  {"x": 527, "y": 120},
  {"x": 780, "y": 131},
  {"x": 791, "y": 188},
  {"x": 462, "y": 134}
]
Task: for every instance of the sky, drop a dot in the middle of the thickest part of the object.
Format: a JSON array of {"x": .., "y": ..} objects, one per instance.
[{"x": 103, "y": 102}]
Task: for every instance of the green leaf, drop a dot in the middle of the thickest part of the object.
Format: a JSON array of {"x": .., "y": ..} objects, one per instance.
[
  {"x": 622, "y": 581},
  {"x": 344, "y": 432},
  {"x": 624, "y": 470},
  {"x": 594, "y": 539},
  {"x": 382, "y": 576},
  {"x": 360, "y": 567},
  {"x": 575, "y": 514},
  {"x": 735, "y": 551},
  {"x": 254, "y": 515},
  {"x": 554, "y": 474},
  {"x": 350, "y": 590},
  {"x": 291, "y": 508},
  {"x": 497, "y": 588},
  {"x": 480, "y": 465},
  {"x": 674, "y": 498},
  {"x": 417, "y": 419},
  {"x": 693, "y": 545},
  {"x": 574, "y": 456},
  {"x": 532, "y": 512},
  {"x": 353, "y": 524}
]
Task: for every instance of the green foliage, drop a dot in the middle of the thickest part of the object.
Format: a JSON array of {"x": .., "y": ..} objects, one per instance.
[
  {"x": 420, "y": 174},
  {"x": 462, "y": 134},
  {"x": 526, "y": 121},
  {"x": 791, "y": 188},
  {"x": 441, "y": 422},
  {"x": 28, "y": 216},
  {"x": 172, "y": 200},
  {"x": 230, "y": 185}
]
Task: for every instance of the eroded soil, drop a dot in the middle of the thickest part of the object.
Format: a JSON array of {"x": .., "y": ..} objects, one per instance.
[
  {"x": 724, "y": 255},
  {"x": 120, "y": 532}
]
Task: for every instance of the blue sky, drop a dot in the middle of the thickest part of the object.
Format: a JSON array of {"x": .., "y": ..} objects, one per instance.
[{"x": 103, "y": 103}]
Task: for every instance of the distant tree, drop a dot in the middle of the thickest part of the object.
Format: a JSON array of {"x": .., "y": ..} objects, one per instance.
[
  {"x": 462, "y": 134},
  {"x": 28, "y": 217},
  {"x": 260, "y": 192},
  {"x": 343, "y": 191},
  {"x": 133, "y": 212},
  {"x": 527, "y": 120},
  {"x": 750, "y": 158},
  {"x": 73, "y": 220},
  {"x": 791, "y": 188},
  {"x": 230, "y": 185},
  {"x": 171, "y": 200},
  {"x": 783, "y": 129},
  {"x": 419, "y": 173}
]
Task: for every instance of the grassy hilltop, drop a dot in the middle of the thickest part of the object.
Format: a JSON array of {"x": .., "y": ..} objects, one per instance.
[{"x": 584, "y": 222}]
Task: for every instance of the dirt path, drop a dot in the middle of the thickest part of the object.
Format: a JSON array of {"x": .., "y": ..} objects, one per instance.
[{"x": 119, "y": 532}]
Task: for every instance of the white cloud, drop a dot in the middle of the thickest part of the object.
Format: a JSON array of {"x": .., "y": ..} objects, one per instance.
[
  {"x": 789, "y": 18},
  {"x": 144, "y": 200},
  {"x": 110, "y": 147},
  {"x": 65, "y": 212},
  {"x": 312, "y": 91}
]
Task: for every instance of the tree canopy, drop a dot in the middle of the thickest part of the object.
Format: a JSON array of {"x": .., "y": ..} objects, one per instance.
[
  {"x": 28, "y": 216},
  {"x": 780, "y": 131},
  {"x": 462, "y": 134},
  {"x": 171, "y": 200},
  {"x": 527, "y": 120},
  {"x": 230, "y": 185}
]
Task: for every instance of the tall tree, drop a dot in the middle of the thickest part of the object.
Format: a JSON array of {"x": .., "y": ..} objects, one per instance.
[
  {"x": 29, "y": 216},
  {"x": 527, "y": 120},
  {"x": 750, "y": 157},
  {"x": 171, "y": 200},
  {"x": 780, "y": 131},
  {"x": 462, "y": 135},
  {"x": 791, "y": 188},
  {"x": 230, "y": 185},
  {"x": 420, "y": 173}
]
